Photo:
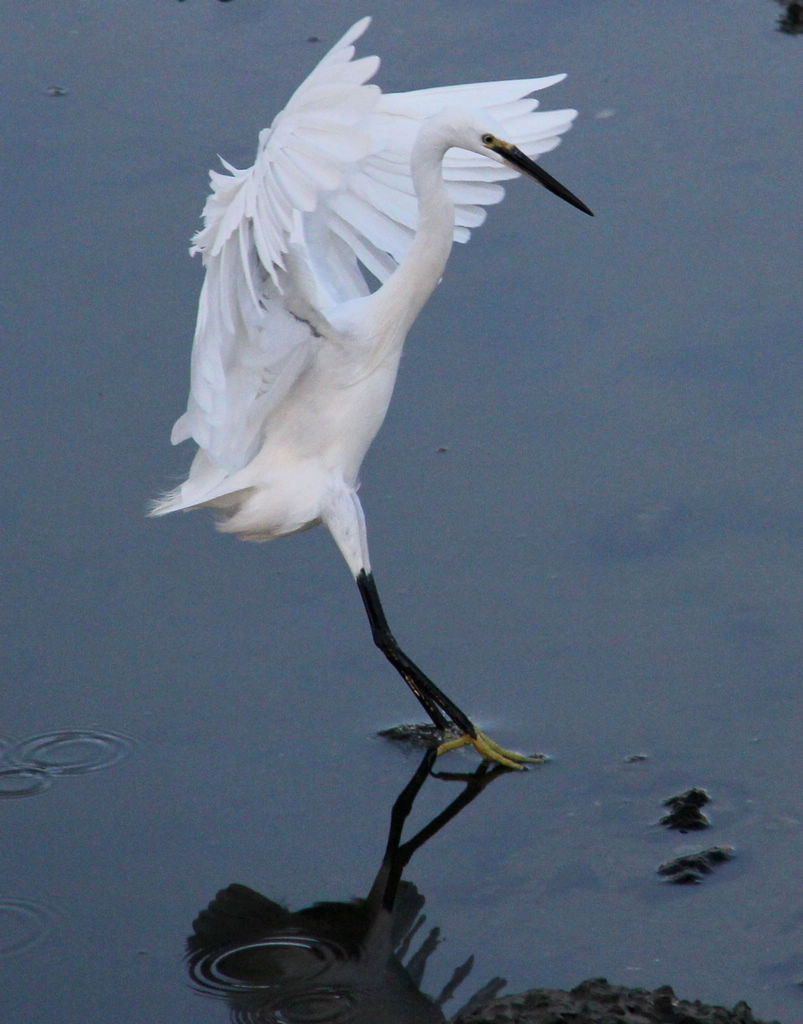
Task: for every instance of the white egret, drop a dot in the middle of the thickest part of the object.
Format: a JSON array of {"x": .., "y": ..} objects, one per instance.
[{"x": 295, "y": 357}]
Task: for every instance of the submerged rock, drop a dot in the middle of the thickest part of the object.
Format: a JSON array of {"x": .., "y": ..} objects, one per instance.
[
  {"x": 597, "y": 1002},
  {"x": 691, "y": 867},
  {"x": 685, "y": 811}
]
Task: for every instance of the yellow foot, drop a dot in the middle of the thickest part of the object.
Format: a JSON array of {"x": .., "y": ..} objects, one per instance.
[{"x": 489, "y": 750}]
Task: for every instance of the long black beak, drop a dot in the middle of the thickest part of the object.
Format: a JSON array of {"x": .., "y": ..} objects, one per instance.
[{"x": 523, "y": 163}]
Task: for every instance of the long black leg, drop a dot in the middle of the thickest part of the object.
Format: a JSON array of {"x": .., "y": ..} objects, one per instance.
[{"x": 436, "y": 704}]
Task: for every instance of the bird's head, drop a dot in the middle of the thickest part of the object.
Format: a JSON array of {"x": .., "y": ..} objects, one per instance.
[
  {"x": 475, "y": 131},
  {"x": 510, "y": 154}
]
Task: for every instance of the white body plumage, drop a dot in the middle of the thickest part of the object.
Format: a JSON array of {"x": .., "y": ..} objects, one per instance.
[{"x": 295, "y": 359}]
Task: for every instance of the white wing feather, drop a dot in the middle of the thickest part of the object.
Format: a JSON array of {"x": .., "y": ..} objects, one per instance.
[{"x": 283, "y": 241}]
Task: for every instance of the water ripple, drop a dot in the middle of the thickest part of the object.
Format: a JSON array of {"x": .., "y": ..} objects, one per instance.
[
  {"x": 69, "y": 752},
  {"x": 324, "y": 1005},
  {"x": 266, "y": 963},
  {"x": 280, "y": 978},
  {"x": 22, "y": 781},
  {"x": 22, "y": 924}
]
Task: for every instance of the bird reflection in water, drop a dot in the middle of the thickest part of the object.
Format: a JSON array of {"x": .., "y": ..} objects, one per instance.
[{"x": 334, "y": 963}]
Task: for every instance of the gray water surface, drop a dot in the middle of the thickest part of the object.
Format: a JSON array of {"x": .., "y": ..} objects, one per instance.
[{"x": 584, "y": 512}]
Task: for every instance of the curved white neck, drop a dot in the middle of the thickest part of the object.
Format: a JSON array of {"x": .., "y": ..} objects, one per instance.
[{"x": 403, "y": 295}]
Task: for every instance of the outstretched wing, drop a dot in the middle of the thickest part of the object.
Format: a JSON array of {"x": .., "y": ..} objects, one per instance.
[
  {"x": 259, "y": 314},
  {"x": 305, "y": 153},
  {"x": 284, "y": 241},
  {"x": 376, "y": 212}
]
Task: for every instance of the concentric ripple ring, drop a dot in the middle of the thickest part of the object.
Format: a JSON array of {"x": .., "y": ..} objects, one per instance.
[
  {"x": 23, "y": 781},
  {"x": 70, "y": 752},
  {"x": 22, "y": 924}
]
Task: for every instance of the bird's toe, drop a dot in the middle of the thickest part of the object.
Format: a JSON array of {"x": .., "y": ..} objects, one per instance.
[{"x": 490, "y": 750}]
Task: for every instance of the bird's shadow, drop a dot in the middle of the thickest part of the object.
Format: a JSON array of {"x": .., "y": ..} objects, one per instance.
[
  {"x": 336, "y": 961},
  {"x": 363, "y": 962}
]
